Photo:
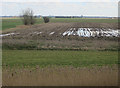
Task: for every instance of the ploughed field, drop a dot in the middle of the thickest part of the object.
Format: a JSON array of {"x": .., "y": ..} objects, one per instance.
[
  {"x": 11, "y": 23},
  {"x": 75, "y": 36}
]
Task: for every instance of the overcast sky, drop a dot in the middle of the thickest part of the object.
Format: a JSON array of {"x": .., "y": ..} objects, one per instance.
[{"x": 61, "y": 7}]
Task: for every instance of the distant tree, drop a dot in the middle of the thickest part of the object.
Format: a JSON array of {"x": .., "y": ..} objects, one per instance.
[
  {"x": 46, "y": 19},
  {"x": 28, "y": 17}
]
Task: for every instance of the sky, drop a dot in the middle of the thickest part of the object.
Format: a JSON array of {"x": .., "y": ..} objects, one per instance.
[{"x": 60, "y": 7}]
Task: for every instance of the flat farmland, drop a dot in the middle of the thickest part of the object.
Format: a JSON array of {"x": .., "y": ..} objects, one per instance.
[
  {"x": 45, "y": 58},
  {"x": 11, "y": 23},
  {"x": 41, "y": 55}
]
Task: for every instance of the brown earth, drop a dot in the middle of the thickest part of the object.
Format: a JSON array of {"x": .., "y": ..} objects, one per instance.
[
  {"x": 60, "y": 26},
  {"x": 27, "y": 36}
]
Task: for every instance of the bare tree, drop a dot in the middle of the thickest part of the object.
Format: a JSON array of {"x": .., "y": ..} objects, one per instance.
[{"x": 28, "y": 17}]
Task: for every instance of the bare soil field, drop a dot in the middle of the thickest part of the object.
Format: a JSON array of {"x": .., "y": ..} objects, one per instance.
[
  {"x": 59, "y": 27},
  {"x": 52, "y": 36}
]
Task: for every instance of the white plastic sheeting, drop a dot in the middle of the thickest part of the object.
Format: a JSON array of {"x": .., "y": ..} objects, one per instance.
[
  {"x": 92, "y": 32},
  {"x": 51, "y": 33},
  {"x": 81, "y": 32},
  {"x": 2, "y": 35}
]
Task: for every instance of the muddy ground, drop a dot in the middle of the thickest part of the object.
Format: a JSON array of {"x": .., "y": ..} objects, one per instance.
[{"x": 49, "y": 36}]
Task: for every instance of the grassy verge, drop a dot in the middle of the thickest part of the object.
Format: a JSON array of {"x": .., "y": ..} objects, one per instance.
[{"x": 45, "y": 58}]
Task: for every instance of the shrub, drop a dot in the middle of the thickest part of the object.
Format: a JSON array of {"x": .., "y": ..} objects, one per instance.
[{"x": 46, "y": 19}]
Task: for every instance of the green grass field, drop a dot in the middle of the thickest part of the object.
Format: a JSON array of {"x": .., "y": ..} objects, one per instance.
[
  {"x": 45, "y": 58},
  {"x": 11, "y": 23}
]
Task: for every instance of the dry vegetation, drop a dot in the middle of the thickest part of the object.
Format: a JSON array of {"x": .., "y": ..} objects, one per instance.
[
  {"x": 61, "y": 76},
  {"x": 48, "y": 43}
]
